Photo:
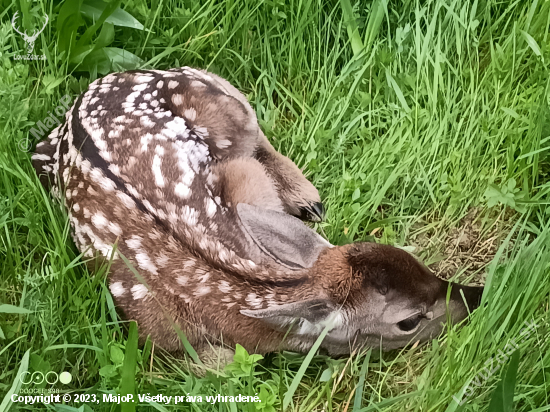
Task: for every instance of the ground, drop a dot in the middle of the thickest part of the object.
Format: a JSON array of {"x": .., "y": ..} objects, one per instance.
[{"x": 424, "y": 125}]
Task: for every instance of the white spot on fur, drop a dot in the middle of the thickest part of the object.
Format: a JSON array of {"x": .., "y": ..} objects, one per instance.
[
  {"x": 224, "y": 286},
  {"x": 117, "y": 289},
  {"x": 105, "y": 249},
  {"x": 109, "y": 78},
  {"x": 106, "y": 155},
  {"x": 223, "y": 255},
  {"x": 106, "y": 184},
  {"x": 182, "y": 190},
  {"x": 114, "y": 229},
  {"x": 146, "y": 122},
  {"x": 134, "y": 242},
  {"x": 223, "y": 143},
  {"x": 99, "y": 220},
  {"x": 172, "y": 84},
  {"x": 66, "y": 175},
  {"x": 162, "y": 114},
  {"x": 139, "y": 291},
  {"x": 210, "y": 207},
  {"x": 126, "y": 200},
  {"x": 145, "y": 139},
  {"x": 143, "y": 79},
  {"x": 159, "y": 179},
  {"x": 191, "y": 114},
  {"x": 139, "y": 87},
  {"x": 162, "y": 260},
  {"x": 177, "y": 99},
  {"x": 144, "y": 262},
  {"x": 115, "y": 169},
  {"x": 177, "y": 125},
  {"x": 38, "y": 156},
  {"x": 189, "y": 215},
  {"x": 159, "y": 150},
  {"x": 201, "y": 131},
  {"x": 201, "y": 291},
  {"x": 254, "y": 301},
  {"x": 160, "y": 84}
]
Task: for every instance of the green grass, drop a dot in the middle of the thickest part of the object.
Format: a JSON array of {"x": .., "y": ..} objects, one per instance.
[{"x": 404, "y": 115}]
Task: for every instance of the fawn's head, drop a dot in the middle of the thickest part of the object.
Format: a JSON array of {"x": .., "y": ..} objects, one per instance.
[{"x": 366, "y": 292}]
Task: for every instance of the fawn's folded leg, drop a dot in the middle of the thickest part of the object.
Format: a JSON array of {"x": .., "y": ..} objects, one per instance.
[
  {"x": 297, "y": 194},
  {"x": 244, "y": 180}
]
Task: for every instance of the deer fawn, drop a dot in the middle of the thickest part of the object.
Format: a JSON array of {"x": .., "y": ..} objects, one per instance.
[{"x": 172, "y": 167}]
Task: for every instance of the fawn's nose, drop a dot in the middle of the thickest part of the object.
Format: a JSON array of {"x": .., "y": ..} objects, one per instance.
[{"x": 472, "y": 295}]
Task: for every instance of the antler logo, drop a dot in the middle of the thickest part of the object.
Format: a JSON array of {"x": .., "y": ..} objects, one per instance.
[{"x": 29, "y": 39}]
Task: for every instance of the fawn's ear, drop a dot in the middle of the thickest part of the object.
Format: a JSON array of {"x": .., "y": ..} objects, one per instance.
[
  {"x": 283, "y": 237},
  {"x": 307, "y": 316}
]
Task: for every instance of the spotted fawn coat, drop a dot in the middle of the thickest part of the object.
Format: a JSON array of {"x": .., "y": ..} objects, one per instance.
[{"x": 170, "y": 170}]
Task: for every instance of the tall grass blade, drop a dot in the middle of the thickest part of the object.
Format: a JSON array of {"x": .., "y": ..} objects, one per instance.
[
  {"x": 397, "y": 90},
  {"x": 378, "y": 9},
  {"x": 119, "y": 17},
  {"x": 300, "y": 374},
  {"x": 352, "y": 28},
  {"x": 532, "y": 43},
  {"x": 361, "y": 384},
  {"x": 24, "y": 367},
  {"x": 503, "y": 396},
  {"x": 14, "y": 309},
  {"x": 128, "y": 371}
]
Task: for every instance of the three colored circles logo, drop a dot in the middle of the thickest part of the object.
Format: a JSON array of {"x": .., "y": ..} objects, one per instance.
[{"x": 50, "y": 377}]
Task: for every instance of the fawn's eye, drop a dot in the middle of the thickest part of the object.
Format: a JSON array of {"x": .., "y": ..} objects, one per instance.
[{"x": 411, "y": 323}]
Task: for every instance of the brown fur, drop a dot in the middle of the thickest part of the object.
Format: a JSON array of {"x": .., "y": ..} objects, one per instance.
[{"x": 164, "y": 193}]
